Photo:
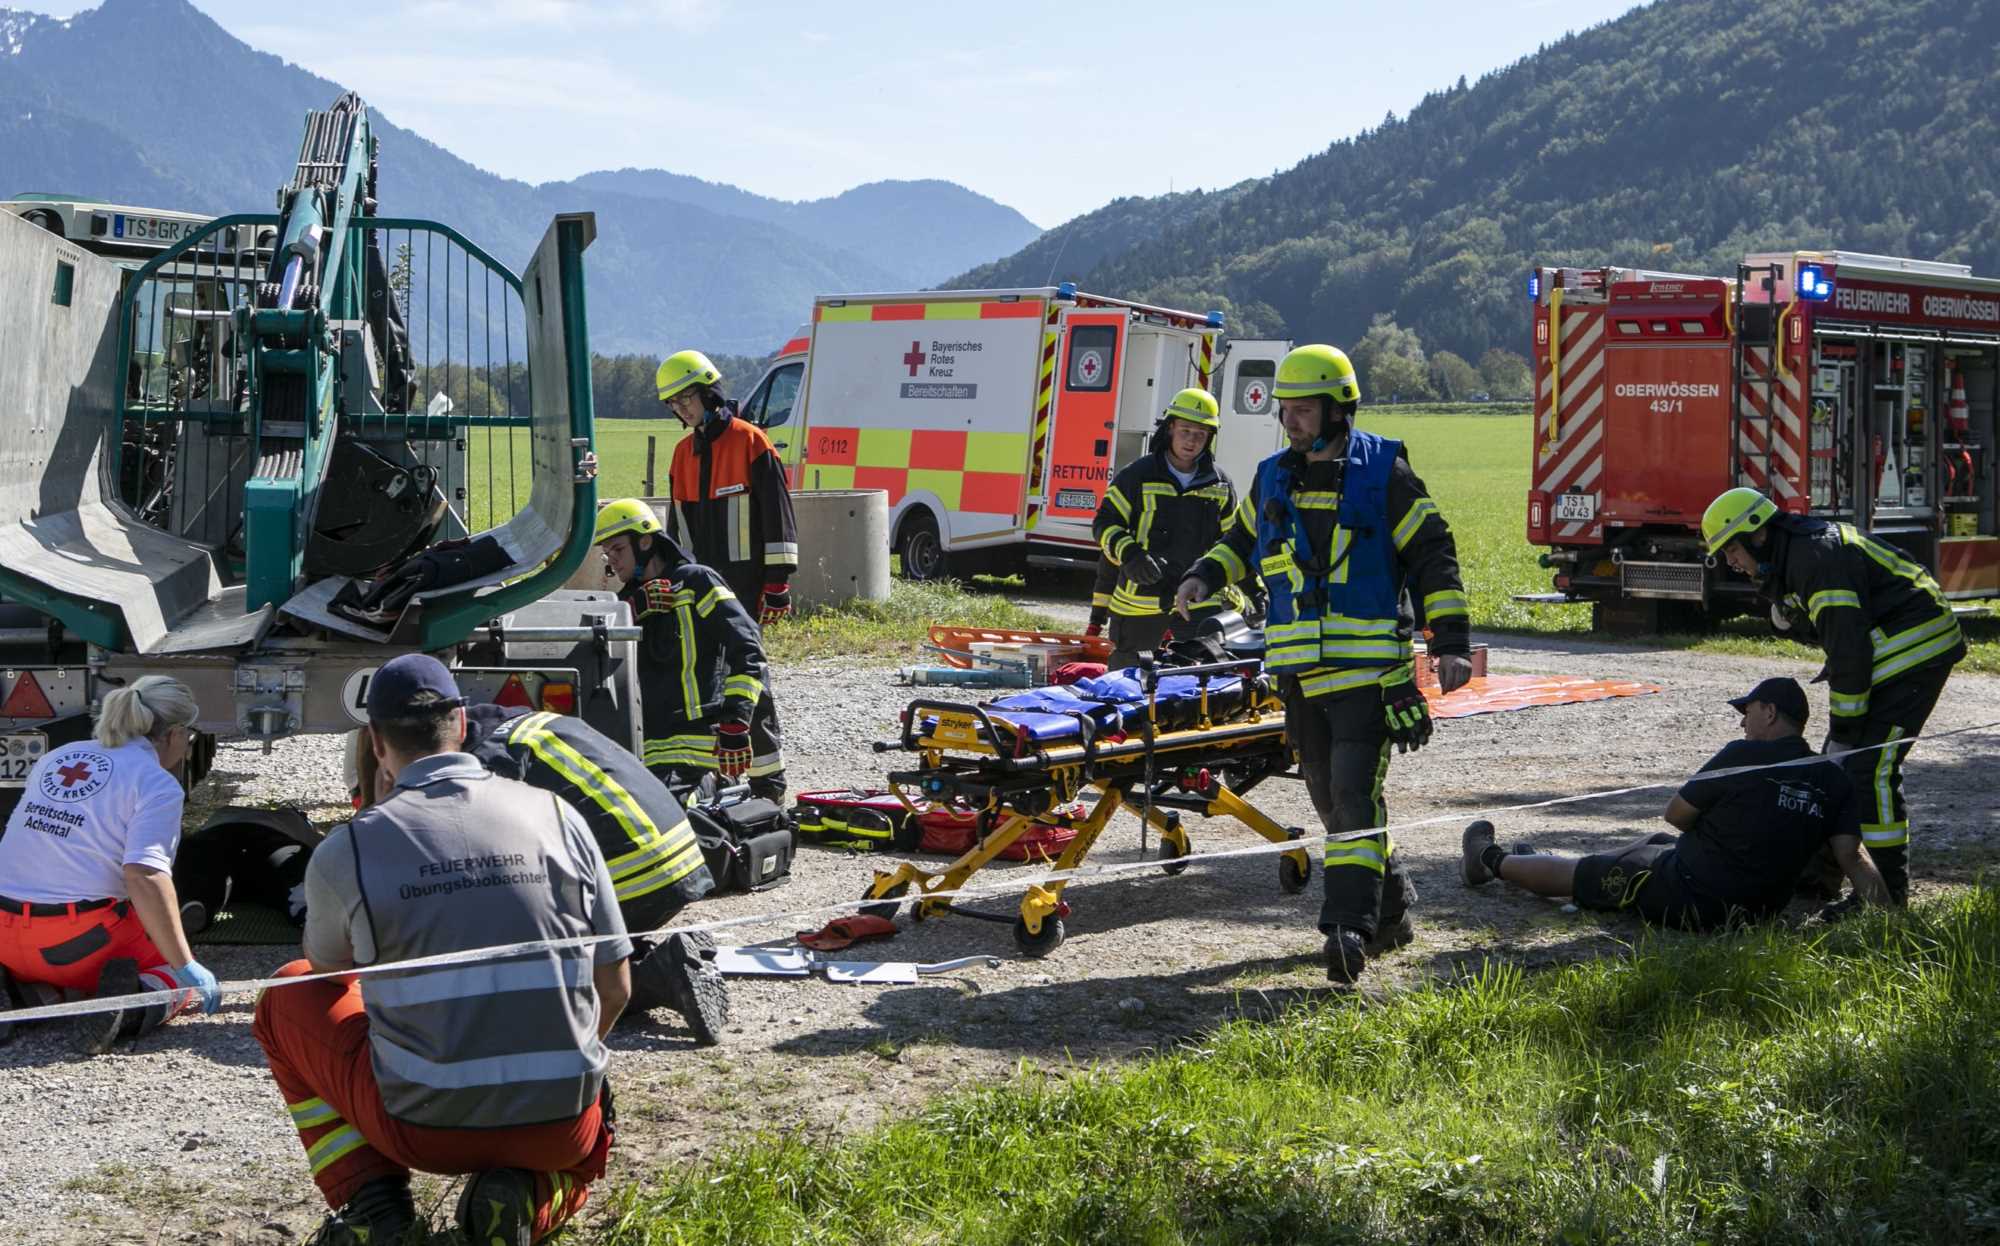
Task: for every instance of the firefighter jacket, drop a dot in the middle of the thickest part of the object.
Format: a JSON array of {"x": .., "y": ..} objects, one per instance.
[
  {"x": 731, "y": 508},
  {"x": 1877, "y": 614},
  {"x": 701, "y": 661},
  {"x": 1148, "y": 511},
  {"x": 1339, "y": 544},
  {"x": 640, "y": 828}
]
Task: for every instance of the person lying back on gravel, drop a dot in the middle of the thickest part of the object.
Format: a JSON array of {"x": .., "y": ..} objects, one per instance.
[
  {"x": 494, "y": 1067},
  {"x": 1743, "y": 838},
  {"x": 644, "y": 834},
  {"x": 87, "y": 902}
]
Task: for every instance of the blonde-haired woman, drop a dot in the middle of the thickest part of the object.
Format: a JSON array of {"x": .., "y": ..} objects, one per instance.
[{"x": 87, "y": 903}]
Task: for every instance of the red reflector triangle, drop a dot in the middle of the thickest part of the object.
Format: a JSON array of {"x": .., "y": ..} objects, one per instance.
[
  {"x": 514, "y": 693},
  {"x": 27, "y": 700}
]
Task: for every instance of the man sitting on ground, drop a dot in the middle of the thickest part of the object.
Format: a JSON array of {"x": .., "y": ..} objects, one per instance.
[
  {"x": 1744, "y": 838},
  {"x": 494, "y": 1067}
]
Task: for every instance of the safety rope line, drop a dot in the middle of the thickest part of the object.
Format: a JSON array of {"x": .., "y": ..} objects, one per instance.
[{"x": 1011, "y": 882}]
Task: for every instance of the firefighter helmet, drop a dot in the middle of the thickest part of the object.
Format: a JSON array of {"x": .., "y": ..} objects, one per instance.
[
  {"x": 1196, "y": 406},
  {"x": 682, "y": 369},
  {"x": 622, "y": 516},
  {"x": 1733, "y": 514},
  {"x": 1317, "y": 369}
]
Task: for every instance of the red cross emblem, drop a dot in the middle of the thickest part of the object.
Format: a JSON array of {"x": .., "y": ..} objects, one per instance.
[
  {"x": 1256, "y": 395},
  {"x": 74, "y": 773},
  {"x": 1089, "y": 367},
  {"x": 915, "y": 358}
]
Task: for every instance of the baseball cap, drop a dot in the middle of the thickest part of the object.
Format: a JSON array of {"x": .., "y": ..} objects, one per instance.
[
  {"x": 1782, "y": 693},
  {"x": 411, "y": 685}
]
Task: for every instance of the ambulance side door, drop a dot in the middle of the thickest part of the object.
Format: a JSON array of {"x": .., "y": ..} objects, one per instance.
[{"x": 1251, "y": 431}]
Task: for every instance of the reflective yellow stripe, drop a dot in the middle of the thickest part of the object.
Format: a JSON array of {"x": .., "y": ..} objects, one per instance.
[
  {"x": 749, "y": 687},
  {"x": 1127, "y": 602},
  {"x": 1366, "y": 853},
  {"x": 1316, "y": 499},
  {"x": 1116, "y": 544},
  {"x": 1232, "y": 566},
  {"x": 690, "y": 690},
  {"x": 1413, "y": 519},
  {"x": 1829, "y": 599},
  {"x": 1098, "y": 599},
  {"x": 1116, "y": 497},
  {"x": 1912, "y": 658},
  {"x": 1888, "y": 646},
  {"x": 333, "y": 1148},
  {"x": 682, "y": 750},
  {"x": 1319, "y": 683},
  {"x": 652, "y": 852},
  {"x": 715, "y": 596},
  {"x": 311, "y": 1112},
  {"x": 1445, "y": 603},
  {"x": 1842, "y": 706},
  {"x": 604, "y": 791},
  {"x": 1885, "y": 791}
]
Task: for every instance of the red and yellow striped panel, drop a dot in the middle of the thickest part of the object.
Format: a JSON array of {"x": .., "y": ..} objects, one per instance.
[{"x": 980, "y": 472}]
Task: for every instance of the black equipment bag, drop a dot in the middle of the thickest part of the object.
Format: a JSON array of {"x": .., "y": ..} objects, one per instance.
[{"x": 748, "y": 843}]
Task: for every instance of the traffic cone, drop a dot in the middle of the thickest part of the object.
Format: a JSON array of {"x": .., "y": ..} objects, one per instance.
[
  {"x": 1958, "y": 413},
  {"x": 1890, "y": 487}
]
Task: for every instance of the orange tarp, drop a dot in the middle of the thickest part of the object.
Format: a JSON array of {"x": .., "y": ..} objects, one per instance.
[{"x": 1496, "y": 694}]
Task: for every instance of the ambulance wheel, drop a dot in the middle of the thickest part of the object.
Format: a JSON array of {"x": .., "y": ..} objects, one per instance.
[
  {"x": 1292, "y": 876},
  {"x": 891, "y": 901},
  {"x": 1171, "y": 850},
  {"x": 921, "y": 547},
  {"x": 1041, "y": 944}
]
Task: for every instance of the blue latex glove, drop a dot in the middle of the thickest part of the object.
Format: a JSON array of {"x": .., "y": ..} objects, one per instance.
[{"x": 195, "y": 976}]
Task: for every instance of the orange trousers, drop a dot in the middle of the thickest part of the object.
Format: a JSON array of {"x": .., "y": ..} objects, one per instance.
[
  {"x": 315, "y": 1037},
  {"x": 69, "y": 951}
]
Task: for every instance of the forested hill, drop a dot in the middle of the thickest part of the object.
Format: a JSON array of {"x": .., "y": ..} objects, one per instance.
[{"x": 1679, "y": 136}]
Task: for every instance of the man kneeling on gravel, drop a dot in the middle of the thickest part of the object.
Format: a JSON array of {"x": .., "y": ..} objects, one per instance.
[
  {"x": 493, "y": 1067},
  {"x": 1744, "y": 838}
]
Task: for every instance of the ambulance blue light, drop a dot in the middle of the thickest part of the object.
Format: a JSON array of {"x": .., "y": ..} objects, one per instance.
[
  {"x": 1813, "y": 283},
  {"x": 1215, "y": 320},
  {"x": 1067, "y": 290},
  {"x": 1534, "y": 286}
]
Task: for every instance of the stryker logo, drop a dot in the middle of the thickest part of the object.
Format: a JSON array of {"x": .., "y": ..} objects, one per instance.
[
  {"x": 1668, "y": 389},
  {"x": 1882, "y": 302},
  {"x": 1960, "y": 307}
]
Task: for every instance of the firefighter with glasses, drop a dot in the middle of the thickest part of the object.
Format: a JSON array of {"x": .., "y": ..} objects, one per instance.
[
  {"x": 1890, "y": 639},
  {"x": 701, "y": 659},
  {"x": 1162, "y": 513},
  {"x": 1342, "y": 530}
]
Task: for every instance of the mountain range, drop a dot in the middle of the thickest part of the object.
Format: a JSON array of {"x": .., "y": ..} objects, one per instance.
[{"x": 678, "y": 260}]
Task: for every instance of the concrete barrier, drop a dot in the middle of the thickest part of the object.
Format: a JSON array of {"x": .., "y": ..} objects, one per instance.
[{"x": 843, "y": 546}]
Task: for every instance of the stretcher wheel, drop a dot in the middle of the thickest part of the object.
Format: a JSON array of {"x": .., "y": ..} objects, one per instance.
[
  {"x": 891, "y": 902},
  {"x": 1171, "y": 850},
  {"x": 1292, "y": 876},
  {"x": 1042, "y": 944}
]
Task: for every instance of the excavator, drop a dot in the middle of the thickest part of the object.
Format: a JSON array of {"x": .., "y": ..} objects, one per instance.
[{"x": 266, "y": 452}]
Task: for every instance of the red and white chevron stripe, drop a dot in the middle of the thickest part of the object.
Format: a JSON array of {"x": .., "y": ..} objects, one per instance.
[
  {"x": 1778, "y": 426},
  {"x": 1574, "y": 456}
]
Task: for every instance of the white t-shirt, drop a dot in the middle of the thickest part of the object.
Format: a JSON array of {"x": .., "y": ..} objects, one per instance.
[
  {"x": 1185, "y": 477},
  {"x": 88, "y": 812}
]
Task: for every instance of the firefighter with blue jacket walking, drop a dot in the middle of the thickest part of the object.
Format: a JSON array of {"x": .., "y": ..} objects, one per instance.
[{"x": 1343, "y": 530}]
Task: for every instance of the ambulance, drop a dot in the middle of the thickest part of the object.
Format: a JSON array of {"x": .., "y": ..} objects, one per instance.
[{"x": 995, "y": 419}]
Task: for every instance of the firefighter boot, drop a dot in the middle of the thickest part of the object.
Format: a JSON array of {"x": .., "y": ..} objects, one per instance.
[
  {"x": 381, "y": 1213},
  {"x": 95, "y": 1032},
  {"x": 1390, "y": 936},
  {"x": 498, "y": 1208},
  {"x": 1473, "y": 850},
  {"x": 1346, "y": 955},
  {"x": 699, "y": 994}
]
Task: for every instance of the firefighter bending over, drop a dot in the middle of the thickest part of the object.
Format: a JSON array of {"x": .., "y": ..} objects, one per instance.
[
  {"x": 1743, "y": 838},
  {"x": 1343, "y": 527},
  {"x": 701, "y": 659},
  {"x": 732, "y": 513},
  {"x": 1162, "y": 513},
  {"x": 1890, "y": 639}
]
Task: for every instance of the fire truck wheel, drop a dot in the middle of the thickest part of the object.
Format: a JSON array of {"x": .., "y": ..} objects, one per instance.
[{"x": 920, "y": 546}]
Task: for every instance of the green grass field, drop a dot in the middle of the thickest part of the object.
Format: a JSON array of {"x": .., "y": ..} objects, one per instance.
[{"x": 1837, "y": 1086}]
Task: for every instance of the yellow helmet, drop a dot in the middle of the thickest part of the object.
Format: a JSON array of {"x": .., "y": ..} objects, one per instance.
[
  {"x": 1734, "y": 513},
  {"x": 622, "y": 516},
  {"x": 682, "y": 369},
  {"x": 1196, "y": 406},
  {"x": 1317, "y": 369}
]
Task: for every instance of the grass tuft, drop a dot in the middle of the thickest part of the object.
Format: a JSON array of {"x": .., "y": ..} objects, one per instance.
[
  {"x": 1834, "y": 1085},
  {"x": 875, "y": 630}
]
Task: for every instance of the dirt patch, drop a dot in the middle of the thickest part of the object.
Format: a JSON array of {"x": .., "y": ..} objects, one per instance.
[{"x": 183, "y": 1138}]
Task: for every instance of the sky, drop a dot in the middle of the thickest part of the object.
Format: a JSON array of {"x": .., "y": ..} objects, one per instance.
[{"x": 1052, "y": 108}]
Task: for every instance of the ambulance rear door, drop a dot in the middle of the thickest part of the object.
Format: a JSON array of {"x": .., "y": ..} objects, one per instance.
[
  {"x": 1251, "y": 430},
  {"x": 1090, "y": 355}
]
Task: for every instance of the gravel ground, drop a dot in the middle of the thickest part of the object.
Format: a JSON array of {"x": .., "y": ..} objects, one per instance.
[{"x": 182, "y": 1138}]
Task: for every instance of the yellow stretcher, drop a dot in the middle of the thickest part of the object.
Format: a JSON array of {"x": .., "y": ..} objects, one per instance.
[{"x": 1197, "y": 759}]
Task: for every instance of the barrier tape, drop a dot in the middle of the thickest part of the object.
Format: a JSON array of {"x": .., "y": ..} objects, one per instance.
[{"x": 1012, "y": 881}]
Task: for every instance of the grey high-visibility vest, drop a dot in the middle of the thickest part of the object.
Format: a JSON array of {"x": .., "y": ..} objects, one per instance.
[{"x": 461, "y": 859}]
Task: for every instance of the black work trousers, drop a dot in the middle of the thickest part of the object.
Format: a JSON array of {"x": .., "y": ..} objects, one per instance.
[
  {"x": 767, "y": 758},
  {"x": 1342, "y": 741},
  {"x": 1896, "y": 710},
  {"x": 1133, "y": 634}
]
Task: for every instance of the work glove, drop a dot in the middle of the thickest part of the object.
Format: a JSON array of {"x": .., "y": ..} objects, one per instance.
[
  {"x": 1454, "y": 672},
  {"x": 1098, "y": 617},
  {"x": 777, "y": 604},
  {"x": 1408, "y": 714},
  {"x": 195, "y": 976},
  {"x": 1145, "y": 570},
  {"x": 732, "y": 749}
]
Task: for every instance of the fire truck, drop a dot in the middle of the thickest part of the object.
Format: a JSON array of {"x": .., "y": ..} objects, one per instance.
[
  {"x": 1858, "y": 388},
  {"x": 995, "y": 419}
]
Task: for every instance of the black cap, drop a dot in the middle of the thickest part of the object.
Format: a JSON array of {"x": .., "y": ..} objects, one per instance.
[
  {"x": 1783, "y": 694},
  {"x": 410, "y": 686}
]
